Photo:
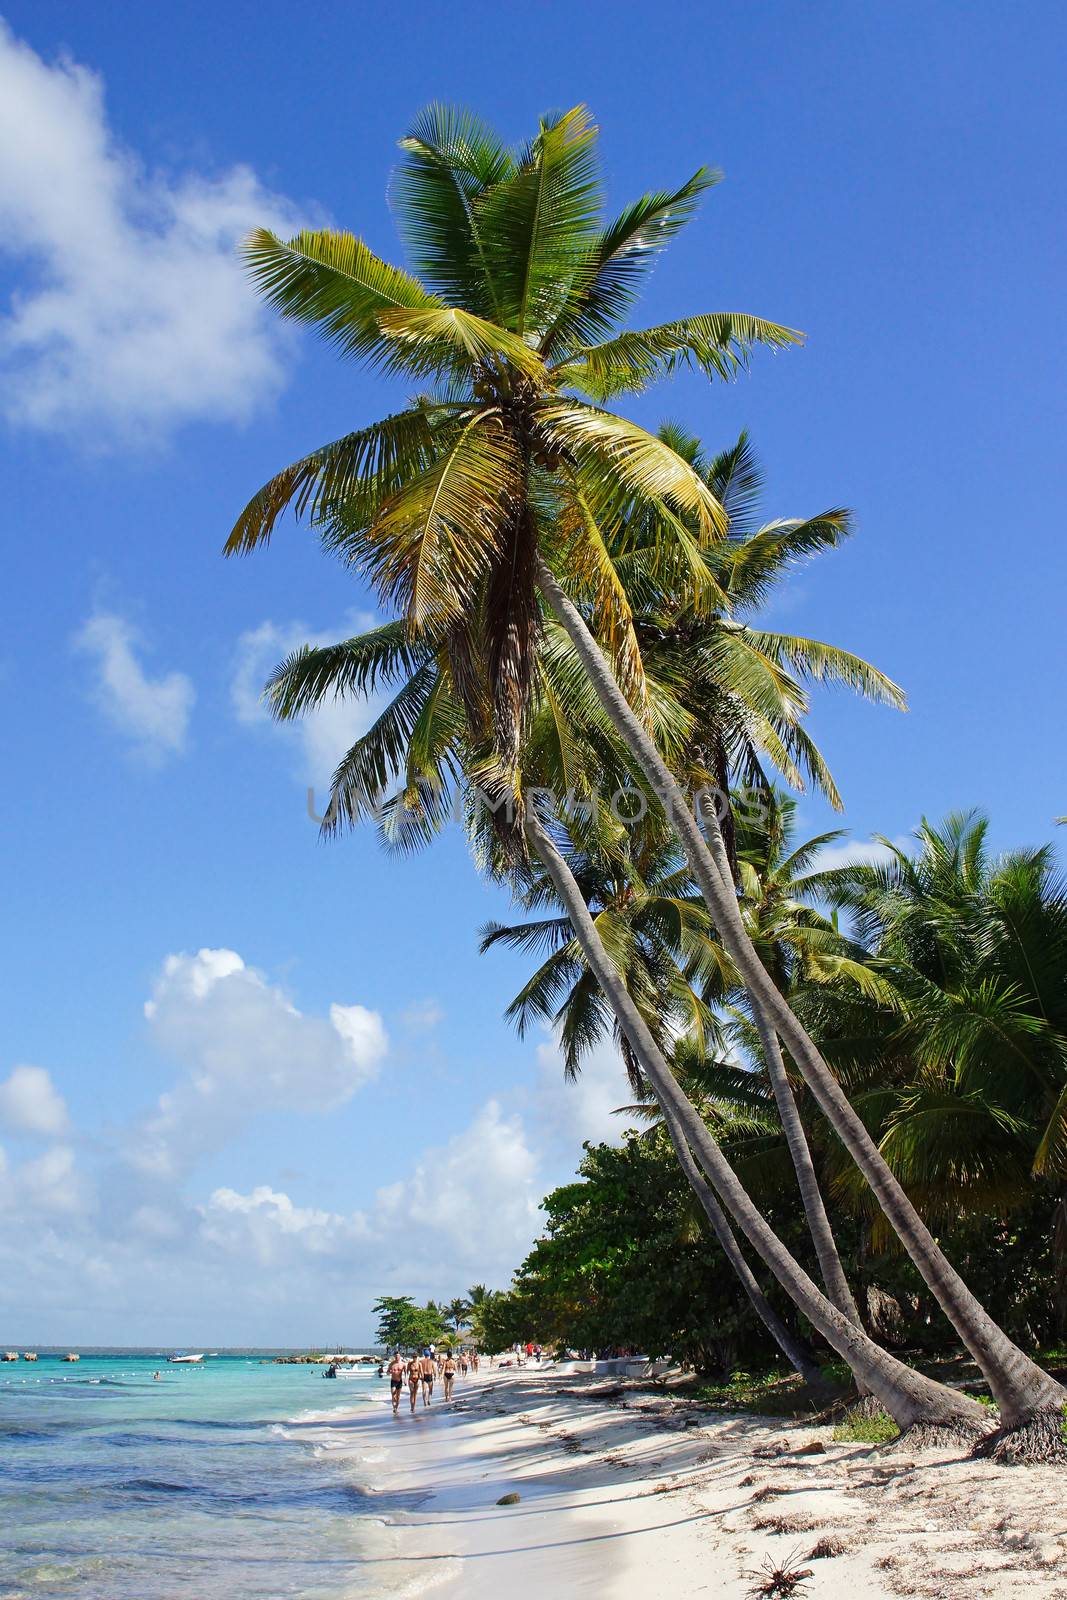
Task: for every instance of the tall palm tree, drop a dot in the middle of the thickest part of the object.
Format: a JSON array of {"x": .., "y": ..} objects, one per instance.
[
  {"x": 657, "y": 932},
  {"x": 1031, "y": 1402},
  {"x": 461, "y": 508},
  {"x": 913, "y": 1400},
  {"x": 424, "y": 734},
  {"x": 515, "y": 315}
]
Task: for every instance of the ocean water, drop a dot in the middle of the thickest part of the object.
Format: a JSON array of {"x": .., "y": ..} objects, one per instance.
[{"x": 217, "y": 1481}]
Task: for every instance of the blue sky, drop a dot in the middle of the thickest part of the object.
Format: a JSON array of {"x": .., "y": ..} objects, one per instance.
[{"x": 350, "y": 1093}]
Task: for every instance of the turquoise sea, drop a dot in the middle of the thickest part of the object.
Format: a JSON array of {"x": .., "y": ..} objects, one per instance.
[{"x": 116, "y": 1487}]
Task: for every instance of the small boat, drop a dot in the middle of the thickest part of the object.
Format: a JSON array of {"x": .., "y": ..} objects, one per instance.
[
  {"x": 185, "y": 1361},
  {"x": 9, "y": 1355},
  {"x": 29, "y": 1355},
  {"x": 71, "y": 1355}
]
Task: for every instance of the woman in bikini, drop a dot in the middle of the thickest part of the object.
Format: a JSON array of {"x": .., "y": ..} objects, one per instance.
[
  {"x": 414, "y": 1378},
  {"x": 449, "y": 1374}
]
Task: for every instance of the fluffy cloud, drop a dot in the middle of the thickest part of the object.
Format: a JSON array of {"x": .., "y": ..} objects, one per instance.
[
  {"x": 30, "y": 1103},
  {"x": 243, "y": 1048},
  {"x": 152, "y": 713},
  {"x": 48, "y": 1187},
  {"x": 267, "y": 1223},
  {"x": 565, "y": 1111},
  {"x": 467, "y": 1208},
  {"x": 325, "y": 734},
  {"x": 133, "y": 314},
  {"x": 471, "y": 1202},
  {"x": 857, "y": 852},
  {"x": 138, "y": 1248}
]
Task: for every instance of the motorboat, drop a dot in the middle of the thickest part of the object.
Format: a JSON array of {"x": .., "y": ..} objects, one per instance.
[
  {"x": 29, "y": 1355},
  {"x": 185, "y": 1360},
  {"x": 71, "y": 1355},
  {"x": 9, "y": 1355}
]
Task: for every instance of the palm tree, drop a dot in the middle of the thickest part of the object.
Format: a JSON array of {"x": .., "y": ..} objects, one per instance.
[
  {"x": 423, "y": 733},
  {"x": 646, "y": 915},
  {"x": 460, "y": 507},
  {"x": 914, "y": 1401},
  {"x": 516, "y": 312},
  {"x": 977, "y": 949},
  {"x": 457, "y": 1311},
  {"x": 1030, "y": 1401}
]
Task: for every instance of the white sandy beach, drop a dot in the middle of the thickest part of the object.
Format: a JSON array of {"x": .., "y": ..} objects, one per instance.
[{"x": 637, "y": 1495}]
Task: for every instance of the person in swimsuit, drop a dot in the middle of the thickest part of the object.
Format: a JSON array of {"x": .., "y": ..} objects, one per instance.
[
  {"x": 427, "y": 1368},
  {"x": 414, "y": 1374},
  {"x": 396, "y": 1380},
  {"x": 449, "y": 1374}
]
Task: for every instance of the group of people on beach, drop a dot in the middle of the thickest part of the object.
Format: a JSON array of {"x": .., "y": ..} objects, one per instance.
[{"x": 419, "y": 1371}]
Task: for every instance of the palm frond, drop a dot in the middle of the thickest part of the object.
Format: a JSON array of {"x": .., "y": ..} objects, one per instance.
[
  {"x": 334, "y": 282},
  {"x": 718, "y": 344},
  {"x": 450, "y": 159}
]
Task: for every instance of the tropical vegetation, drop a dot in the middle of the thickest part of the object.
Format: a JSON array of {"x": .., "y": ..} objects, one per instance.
[{"x": 566, "y": 598}]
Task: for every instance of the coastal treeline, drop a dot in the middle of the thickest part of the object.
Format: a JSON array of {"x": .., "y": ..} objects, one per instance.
[
  {"x": 405, "y": 1325},
  {"x": 578, "y": 661},
  {"x": 947, "y": 1024}
]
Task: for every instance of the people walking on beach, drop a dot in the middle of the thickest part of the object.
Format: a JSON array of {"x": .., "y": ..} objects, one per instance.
[
  {"x": 414, "y": 1378},
  {"x": 427, "y": 1368},
  {"x": 396, "y": 1380},
  {"x": 463, "y": 1363},
  {"x": 449, "y": 1374}
]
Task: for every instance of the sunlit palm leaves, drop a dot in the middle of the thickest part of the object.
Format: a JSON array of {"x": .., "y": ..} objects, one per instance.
[{"x": 518, "y": 303}]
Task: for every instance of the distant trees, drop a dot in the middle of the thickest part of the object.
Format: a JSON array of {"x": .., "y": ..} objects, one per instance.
[{"x": 403, "y": 1325}]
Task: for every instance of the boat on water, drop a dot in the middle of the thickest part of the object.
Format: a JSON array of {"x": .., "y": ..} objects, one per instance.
[
  {"x": 185, "y": 1360},
  {"x": 71, "y": 1355},
  {"x": 29, "y": 1355},
  {"x": 9, "y": 1355}
]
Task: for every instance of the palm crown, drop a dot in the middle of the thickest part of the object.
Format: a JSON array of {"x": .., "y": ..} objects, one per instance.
[{"x": 513, "y": 331}]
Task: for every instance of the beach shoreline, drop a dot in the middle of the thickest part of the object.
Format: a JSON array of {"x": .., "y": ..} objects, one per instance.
[{"x": 630, "y": 1492}]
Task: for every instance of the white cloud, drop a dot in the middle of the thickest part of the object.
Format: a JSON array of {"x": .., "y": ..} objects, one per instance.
[
  {"x": 267, "y": 1223},
  {"x": 857, "y": 852},
  {"x": 243, "y": 1048},
  {"x": 568, "y": 1112},
  {"x": 467, "y": 1207},
  {"x": 153, "y": 713},
  {"x": 132, "y": 1251},
  {"x": 422, "y": 1016},
  {"x": 323, "y": 735},
  {"x": 30, "y": 1103},
  {"x": 133, "y": 314},
  {"x": 48, "y": 1186}
]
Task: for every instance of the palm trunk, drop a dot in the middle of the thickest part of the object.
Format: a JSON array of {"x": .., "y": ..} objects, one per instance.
[
  {"x": 1024, "y": 1394},
  {"x": 830, "y": 1268},
  {"x": 912, "y": 1400},
  {"x": 800, "y": 1358}
]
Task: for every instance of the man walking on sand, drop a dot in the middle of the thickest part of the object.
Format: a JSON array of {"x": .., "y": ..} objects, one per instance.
[
  {"x": 427, "y": 1367},
  {"x": 396, "y": 1380}
]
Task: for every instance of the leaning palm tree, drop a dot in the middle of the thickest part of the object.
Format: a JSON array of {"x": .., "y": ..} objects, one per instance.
[
  {"x": 464, "y": 508},
  {"x": 423, "y": 739},
  {"x": 657, "y": 933}
]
